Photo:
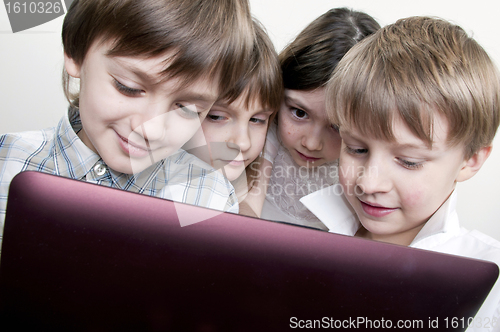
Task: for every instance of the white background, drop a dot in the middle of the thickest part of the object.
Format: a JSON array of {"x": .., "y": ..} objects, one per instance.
[{"x": 31, "y": 95}]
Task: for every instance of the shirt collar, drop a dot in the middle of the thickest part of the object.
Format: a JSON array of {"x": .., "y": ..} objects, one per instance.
[
  {"x": 72, "y": 158},
  {"x": 444, "y": 220}
]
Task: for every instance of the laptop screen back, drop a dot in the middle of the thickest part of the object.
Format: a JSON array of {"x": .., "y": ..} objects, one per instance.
[{"x": 78, "y": 256}]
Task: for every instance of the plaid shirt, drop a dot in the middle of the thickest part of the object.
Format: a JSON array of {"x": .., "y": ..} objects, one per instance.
[{"x": 181, "y": 177}]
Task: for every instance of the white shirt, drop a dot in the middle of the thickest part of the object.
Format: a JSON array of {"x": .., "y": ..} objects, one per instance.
[{"x": 441, "y": 233}]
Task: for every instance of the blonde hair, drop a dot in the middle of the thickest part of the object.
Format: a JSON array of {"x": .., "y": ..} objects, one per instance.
[
  {"x": 210, "y": 39},
  {"x": 412, "y": 69}
]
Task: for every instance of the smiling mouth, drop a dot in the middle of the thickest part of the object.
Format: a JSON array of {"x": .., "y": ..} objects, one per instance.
[
  {"x": 306, "y": 158},
  {"x": 376, "y": 210},
  {"x": 135, "y": 146},
  {"x": 132, "y": 149}
]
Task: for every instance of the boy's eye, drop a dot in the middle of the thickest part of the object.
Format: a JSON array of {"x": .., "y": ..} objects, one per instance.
[
  {"x": 189, "y": 112},
  {"x": 355, "y": 151},
  {"x": 409, "y": 164},
  {"x": 335, "y": 127},
  {"x": 298, "y": 113},
  {"x": 259, "y": 121},
  {"x": 214, "y": 117},
  {"x": 127, "y": 91}
]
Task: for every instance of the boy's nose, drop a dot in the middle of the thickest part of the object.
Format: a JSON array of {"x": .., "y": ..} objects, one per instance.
[{"x": 372, "y": 179}]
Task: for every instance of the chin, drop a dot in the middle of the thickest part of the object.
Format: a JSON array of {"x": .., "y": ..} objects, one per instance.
[
  {"x": 306, "y": 164},
  {"x": 233, "y": 176}
]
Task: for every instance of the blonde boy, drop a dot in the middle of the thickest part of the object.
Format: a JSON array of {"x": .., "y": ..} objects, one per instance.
[
  {"x": 418, "y": 105},
  {"x": 148, "y": 71}
]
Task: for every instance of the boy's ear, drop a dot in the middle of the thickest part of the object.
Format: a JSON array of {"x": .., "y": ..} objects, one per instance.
[
  {"x": 474, "y": 164},
  {"x": 71, "y": 66}
]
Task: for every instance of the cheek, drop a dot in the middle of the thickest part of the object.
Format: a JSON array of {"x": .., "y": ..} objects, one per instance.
[
  {"x": 346, "y": 175},
  {"x": 258, "y": 138},
  {"x": 349, "y": 167},
  {"x": 210, "y": 133},
  {"x": 288, "y": 132},
  {"x": 104, "y": 103},
  {"x": 179, "y": 130},
  {"x": 415, "y": 199}
]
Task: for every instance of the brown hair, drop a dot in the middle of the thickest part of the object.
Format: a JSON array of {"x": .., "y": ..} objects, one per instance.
[
  {"x": 308, "y": 62},
  {"x": 262, "y": 83},
  {"x": 210, "y": 38},
  {"x": 412, "y": 69}
]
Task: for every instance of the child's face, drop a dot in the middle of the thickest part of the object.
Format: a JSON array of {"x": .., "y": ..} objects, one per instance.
[
  {"x": 395, "y": 187},
  {"x": 130, "y": 116},
  {"x": 305, "y": 130},
  {"x": 234, "y": 134}
]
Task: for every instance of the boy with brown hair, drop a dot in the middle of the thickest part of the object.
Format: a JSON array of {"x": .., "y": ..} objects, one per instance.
[
  {"x": 418, "y": 106},
  {"x": 148, "y": 71}
]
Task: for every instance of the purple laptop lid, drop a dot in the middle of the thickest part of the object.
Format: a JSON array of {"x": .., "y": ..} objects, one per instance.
[{"x": 81, "y": 257}]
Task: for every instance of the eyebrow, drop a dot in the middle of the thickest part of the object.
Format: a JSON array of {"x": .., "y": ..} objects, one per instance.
[
  {"x": 133, "y": 69},
  {"x": 414, "y": 146},
  {"x": 296, "y": 101},
  {"x": 395, "y": 143}
]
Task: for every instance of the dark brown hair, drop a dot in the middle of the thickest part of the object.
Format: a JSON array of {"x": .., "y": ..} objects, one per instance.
[
  {"x": 308, "y": 62},
  {"x": 209, "y": 38}
]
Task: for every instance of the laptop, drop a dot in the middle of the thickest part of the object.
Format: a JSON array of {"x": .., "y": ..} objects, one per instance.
[{"x": 82, "y": 257}]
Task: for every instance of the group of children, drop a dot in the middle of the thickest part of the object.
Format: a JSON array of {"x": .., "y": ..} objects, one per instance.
[{"x": 203, "y": 111}]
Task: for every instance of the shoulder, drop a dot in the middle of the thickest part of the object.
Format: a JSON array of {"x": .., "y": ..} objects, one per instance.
[
  {"x": 482, "y": 245},
  {"x": 16, "y": 153},
  {"x": 24, "y": 146},
  {"x": 472, "y": 244},
  {"x": 26, "y": 141}
]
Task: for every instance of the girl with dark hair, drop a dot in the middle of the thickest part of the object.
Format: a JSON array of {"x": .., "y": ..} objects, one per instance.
[{"x": 303, "y": 147}]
